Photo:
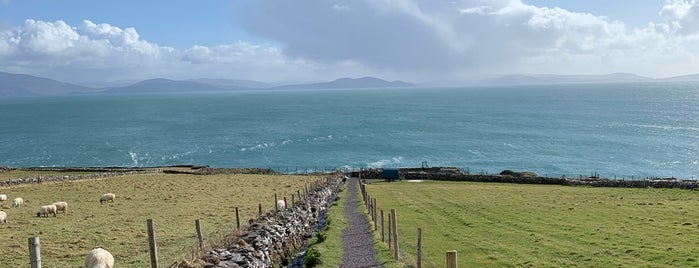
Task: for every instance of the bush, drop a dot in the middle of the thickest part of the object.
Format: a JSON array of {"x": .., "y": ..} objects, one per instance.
[
  {"x": 525, "y": 174},
  {"x": 312, "y": 258}
]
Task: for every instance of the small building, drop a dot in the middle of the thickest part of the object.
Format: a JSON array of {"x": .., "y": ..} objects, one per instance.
[{"x": 391, "y": 174}]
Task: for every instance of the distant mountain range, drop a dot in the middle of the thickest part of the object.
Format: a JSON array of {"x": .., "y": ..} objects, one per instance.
[{"x": 27, "y": 85}]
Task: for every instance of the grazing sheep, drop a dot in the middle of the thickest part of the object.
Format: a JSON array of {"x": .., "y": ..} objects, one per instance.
[
  {"x": 46, "y": 210},
  {"x": 17, "y": 202},
  {"x": 61, "y": 206},
  {"x": 3, "y": 217},
  {"x": 107, "y": 197},
  {"x": 281, "y": 204},
  {"x": 99, "y": 258},
  {"x": 3, "y": 198}
]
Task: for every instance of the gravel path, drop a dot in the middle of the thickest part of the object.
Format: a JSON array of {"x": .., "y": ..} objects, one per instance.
[{"x": 357, "y": 240}]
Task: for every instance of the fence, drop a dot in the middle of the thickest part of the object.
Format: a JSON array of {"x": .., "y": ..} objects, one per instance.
[{"x": 309, "y": 195}]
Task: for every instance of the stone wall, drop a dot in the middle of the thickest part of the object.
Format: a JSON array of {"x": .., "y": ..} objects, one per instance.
[{"x": 274, "y": 238}]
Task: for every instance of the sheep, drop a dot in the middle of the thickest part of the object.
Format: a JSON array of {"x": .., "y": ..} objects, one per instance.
[
  {"x": 46, "y": 210},
  {"x": 61, "y": 206},
  {"x": 107, "y": 197},
  {"x": 99, "y": 258},
  {"x": 3, "y": 197},
  {"x": 281, "y": 204},
  {"x": 3, "y": 217},
  {"x": 17, "y": 202}
]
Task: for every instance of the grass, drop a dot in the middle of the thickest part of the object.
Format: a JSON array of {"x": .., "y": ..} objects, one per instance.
[
  {"x": 330, "y": 249},
  {"x": 172, "y": 201},
  {"x": 510, "y": 225}
]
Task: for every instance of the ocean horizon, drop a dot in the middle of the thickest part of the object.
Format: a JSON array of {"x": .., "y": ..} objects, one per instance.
[{"x": 618, "y": 130}]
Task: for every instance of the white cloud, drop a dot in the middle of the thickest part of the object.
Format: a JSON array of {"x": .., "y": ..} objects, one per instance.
[
  {"x": 413, "y": 40},
  {"x": 441, "y": 38}
]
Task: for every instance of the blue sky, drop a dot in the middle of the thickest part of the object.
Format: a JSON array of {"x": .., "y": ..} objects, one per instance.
[{"x": 410, "y": 40}]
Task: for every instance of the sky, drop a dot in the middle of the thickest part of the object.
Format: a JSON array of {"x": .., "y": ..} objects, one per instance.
[{"x": 83, "y": 41}]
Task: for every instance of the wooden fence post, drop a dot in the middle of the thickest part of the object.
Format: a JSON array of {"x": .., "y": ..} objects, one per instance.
[
  {"x": 451, "y": 259},
  {"x": 259, "y": 210},
  {"x": 419, "y": 248},
  {"x": 390, "y": 232},
  {"x": 153, "y": 247},
  {"x": 292, "y": 199},
  {"x": 395, "y": 233},
  {"x": 237, "y": 218},
  {"x": 298, "y": 192},
  {"x": 382, "y": 227},
  {"x": 197, "y": 225},
  {"x": 35, "y": 252},
  {"x": 373, "y": 215},
  {"x": 285, "y": 204}
]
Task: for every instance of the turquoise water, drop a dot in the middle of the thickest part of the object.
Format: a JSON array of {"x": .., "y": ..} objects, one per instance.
[{"x": 620, "y": 130}]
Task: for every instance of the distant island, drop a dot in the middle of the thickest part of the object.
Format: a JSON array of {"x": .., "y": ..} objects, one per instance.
[{"x": 28, "y": 85}]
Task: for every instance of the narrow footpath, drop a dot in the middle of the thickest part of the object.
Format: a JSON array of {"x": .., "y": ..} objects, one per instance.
[{"x": 357, "y": 240}]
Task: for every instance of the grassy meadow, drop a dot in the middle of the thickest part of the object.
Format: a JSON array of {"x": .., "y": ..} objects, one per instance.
[
  {"x": 173, "y": 201},
  {"x": 513, "y": 225}
]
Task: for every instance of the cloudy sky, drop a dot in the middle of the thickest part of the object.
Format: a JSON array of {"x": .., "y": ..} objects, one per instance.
[{"x": 411, "y": 40}]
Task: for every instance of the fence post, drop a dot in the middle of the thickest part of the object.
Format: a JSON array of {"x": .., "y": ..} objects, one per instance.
[
  {"x": 390, "y": 232},
  {"x": 152, "y": 244},
  {"x": 259, "y": 210},
  {"x": 395, "y": 233},
  {"x": 275, "y": 202},
  {"x": 373, "y": 216},
  {"x": 35, "y": 252},
  {"x": 237, "y": 218},
  {"x": 197, "y": 225},
  {"x": 382, "y": 227},
  {"x": 451, "y": 259},
  {"x": 285, "y": 205},
  {"x": 419, "y": 248},
  {"x": 292, "y": 199},
  {"x": 298, "y": 192}
]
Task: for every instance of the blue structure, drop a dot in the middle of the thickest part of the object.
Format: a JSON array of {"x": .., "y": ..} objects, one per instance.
[{"x": 391, "y": 174}]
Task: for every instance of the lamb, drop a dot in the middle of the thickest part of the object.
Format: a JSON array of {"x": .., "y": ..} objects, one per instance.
[
  {"x": 17, "y": 202},
  {"x": 107, "y": 197},
  {"x": 99, "y": 258},
  {"x": 3, "y": 217},
  {"x": 61, "y": 206},
  {"x": 281, "y": 204},
  {"x": 46, "y": 210}
]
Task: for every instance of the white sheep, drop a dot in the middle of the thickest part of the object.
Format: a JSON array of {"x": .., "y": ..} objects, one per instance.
[
  {"x": 61, "y": 206},
  {"x": 107, "y": 197},
  {"x": 17, "y": 202},
  {"x": 3, "y": 217},
  {"x": 281, "y": 204},
  {"x": 3, "y": 197},
  {"x": 46, "y": 210},
  {"x": 99, "y": 258}
]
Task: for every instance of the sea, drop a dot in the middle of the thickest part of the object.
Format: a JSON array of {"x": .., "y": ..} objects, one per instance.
[{"x": 620, "y": 130}]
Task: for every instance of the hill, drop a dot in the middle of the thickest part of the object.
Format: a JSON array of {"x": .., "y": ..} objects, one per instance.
[
  {"x": 28, "y": 85},
  {"x": 689, "y": 77},
  {"x": 347, "y": 83},
  {"x": 160, "y": 85},
  {"x": 522, "y": 79}
]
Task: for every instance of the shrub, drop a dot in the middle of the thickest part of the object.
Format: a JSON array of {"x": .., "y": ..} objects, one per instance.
[{"x": 312, "y": 257}]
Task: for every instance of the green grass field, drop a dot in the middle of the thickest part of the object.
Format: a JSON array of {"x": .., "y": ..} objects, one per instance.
[
  {"x": 511, "y": 225},
  {"x": 174, "y": 202}
]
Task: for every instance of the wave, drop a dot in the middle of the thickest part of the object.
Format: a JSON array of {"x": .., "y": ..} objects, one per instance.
[
  {"x": 266, "y": 145},
  {"x": 385, "y": 162}
]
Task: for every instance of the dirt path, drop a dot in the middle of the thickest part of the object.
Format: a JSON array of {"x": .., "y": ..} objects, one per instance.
[{"x": 357, "y": 240}]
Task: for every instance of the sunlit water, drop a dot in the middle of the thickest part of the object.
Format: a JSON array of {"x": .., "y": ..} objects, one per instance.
[{"x": 617, "y": 130}]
